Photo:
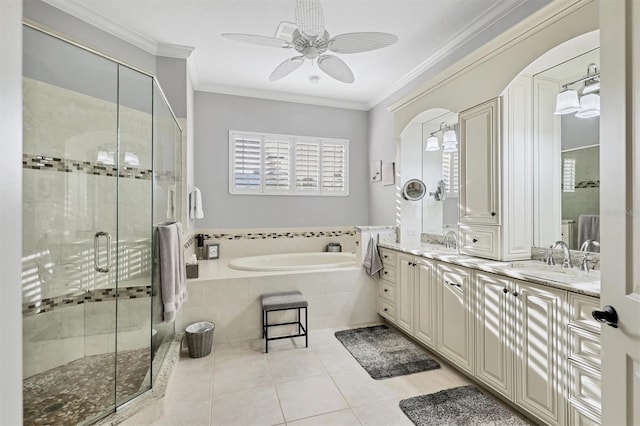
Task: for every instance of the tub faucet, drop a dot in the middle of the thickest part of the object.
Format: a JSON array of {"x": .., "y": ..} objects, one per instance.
[
  {"x": 566, "y": 262},
  {"x": 450, "y": 236}
]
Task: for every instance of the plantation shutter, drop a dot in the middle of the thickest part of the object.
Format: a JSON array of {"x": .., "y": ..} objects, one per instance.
[
  {"x": 569, "y": 175},
  {"x": 306, "y": 167},
  {"x": 277, "y": 165},
  {"x": 246, "y": 164},
  {"x": 333, "y": 167},
  {"x": 450, "y": 172}
]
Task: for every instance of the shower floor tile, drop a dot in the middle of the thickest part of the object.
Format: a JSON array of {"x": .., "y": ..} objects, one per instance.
[{"x": 83, "y": 389}]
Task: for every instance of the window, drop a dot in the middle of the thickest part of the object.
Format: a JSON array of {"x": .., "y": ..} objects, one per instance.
[
  {"x": 569, "y": 175},
  {"x": 269, "y": 164},
  {"x": 450, "y": 172}
]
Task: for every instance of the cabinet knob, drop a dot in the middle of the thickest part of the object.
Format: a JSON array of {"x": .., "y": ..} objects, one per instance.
[
  {"x": 515, "y": 293},
  {"x": 386, "y": 290},
  {"x": 493, "y": 213},
  {"x": 475, "y": 240},
  {"x": 505, "y": 290},
  {"x": 386, "y": 272},
  {"x": 385, "y": 309},
  {"x": 385, "y": 256}
]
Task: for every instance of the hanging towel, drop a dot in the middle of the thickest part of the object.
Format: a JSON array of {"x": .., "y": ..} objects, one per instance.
[
  {"x": 195, "y": 204},
  {"x": 588, "y": 228},
  {"x": 171, "y": 202},
  {"x": 173, "y": 274},
  {"x": 372, "y": 262}
]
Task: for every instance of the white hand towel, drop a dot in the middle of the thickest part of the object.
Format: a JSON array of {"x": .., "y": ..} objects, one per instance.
[
  {"x": 372, "y": 262},
  {"x": 195, "y": 204},
  {"x": 173, "y": 272}
]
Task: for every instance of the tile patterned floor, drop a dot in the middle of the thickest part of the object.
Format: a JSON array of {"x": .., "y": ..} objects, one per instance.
[{"x": 321, "y": 385}]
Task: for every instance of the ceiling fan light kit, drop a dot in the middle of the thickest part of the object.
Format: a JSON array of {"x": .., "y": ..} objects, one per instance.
[{"x": 311, "y": 41}]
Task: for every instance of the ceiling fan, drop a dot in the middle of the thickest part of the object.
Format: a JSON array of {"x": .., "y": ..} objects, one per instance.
[{"x": 311, "y": 40}]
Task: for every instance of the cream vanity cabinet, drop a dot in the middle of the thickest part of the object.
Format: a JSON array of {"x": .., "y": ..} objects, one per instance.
[
  {"x": 519, "y": 344},
  {"x": 496, "y": 176},
  {"x": 455, "y": 315},
  {"x": 387, "y": 285},
  {"x": 584, "y": 361}
]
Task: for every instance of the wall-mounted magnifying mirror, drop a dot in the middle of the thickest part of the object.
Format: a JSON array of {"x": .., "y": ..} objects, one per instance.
[
  {"x": 414, "y": 190},
  {"x": 441, "y": 191}
]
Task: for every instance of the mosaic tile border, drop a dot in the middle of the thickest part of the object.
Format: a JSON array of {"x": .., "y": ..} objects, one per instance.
[
  {"x": 275, "y": 235},
  {"x": 42, "y": 162},
  {"x": 586, "y": 184},
  {"x": 93, "y": 296}
]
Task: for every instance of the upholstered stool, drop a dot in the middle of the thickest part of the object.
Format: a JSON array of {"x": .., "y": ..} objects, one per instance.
[{"x": 284, "y": 301}]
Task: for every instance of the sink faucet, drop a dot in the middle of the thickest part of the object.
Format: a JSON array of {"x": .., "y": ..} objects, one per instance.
[
  {"x": 590, "y": 244},
  {"x": 566, "y": 262},
  {"x": 450, "y": 236}
]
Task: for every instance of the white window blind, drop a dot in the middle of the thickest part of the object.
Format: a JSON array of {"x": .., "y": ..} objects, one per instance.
[
  {"x": 569, "y": 175},
  {"x": 333, "y": 167},
  {"x": 287, "y": 165},
  {"x": 307, "y": 167},
  {"x": 277, "y": 165},
  {"x": 246, "y": 164},
  {"x": 450, "y": 172}
]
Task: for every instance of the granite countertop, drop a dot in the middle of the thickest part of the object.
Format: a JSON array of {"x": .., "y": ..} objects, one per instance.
[{"x": 523, "y": 270}]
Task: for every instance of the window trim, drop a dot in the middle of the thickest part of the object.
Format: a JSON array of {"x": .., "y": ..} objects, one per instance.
[{"x": 293, "y": 141}]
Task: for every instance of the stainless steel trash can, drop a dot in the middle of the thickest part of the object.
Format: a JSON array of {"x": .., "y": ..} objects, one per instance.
[{"x": 200, "y": 338}]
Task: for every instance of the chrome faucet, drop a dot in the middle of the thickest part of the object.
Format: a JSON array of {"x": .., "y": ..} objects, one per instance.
[
  {"x": 450, "y": 235},
  {"x": 566, "y": 262},
  {"x": 590, "y": 244}
]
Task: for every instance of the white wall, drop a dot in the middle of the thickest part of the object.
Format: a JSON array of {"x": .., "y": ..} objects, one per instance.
[
  {"x": 11, "y": 211},
  {"x": 216, "y": 114}
]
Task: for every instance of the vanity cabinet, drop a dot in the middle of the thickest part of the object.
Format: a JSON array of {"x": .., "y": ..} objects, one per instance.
[
  {"x": 387, "y": 285},
  {"x": 404, "y": 296},
  {"x": 496, "y": 184},
  {"x": 584, "y": 359},
  {"x": 455, "y": 319},
  {"x": 519, "y": 335}
]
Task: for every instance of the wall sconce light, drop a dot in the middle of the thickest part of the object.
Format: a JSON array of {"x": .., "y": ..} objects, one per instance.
[
  {"x": 588, "y": 104},
  {"x": 449, "y": 139}
]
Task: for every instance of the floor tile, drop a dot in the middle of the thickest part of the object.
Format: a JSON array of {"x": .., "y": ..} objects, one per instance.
[
  {"x": 359, "y": 388},
  {"x": 309, "y": 397},
  {"x": 257, "y": 406},
  {"x": 292, "y": 365},
  {"x": 337, "y": 418},
  {"x": 244, "y": 374},
  {"x": 382, "y": 413},
  {"x": 336, "y": 358},
  {"x": 179, "y": 413}
]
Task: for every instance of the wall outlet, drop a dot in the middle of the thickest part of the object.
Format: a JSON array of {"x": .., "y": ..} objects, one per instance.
[{"x": 412, "y": 232}]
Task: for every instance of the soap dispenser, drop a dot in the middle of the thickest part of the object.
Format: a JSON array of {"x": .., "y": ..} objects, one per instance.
[{"x": 200, "y": 253}]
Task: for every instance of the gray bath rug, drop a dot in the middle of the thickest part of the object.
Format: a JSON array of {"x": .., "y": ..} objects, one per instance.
[
  {"x": 464, "y": 405},
  {"x": 384, "y": 352}
]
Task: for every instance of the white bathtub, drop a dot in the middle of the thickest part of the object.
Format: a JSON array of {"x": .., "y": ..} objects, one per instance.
[{"x": 294, "y": 261}]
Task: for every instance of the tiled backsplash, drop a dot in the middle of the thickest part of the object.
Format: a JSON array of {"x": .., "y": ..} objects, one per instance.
[{"x": 37, "y": 162}]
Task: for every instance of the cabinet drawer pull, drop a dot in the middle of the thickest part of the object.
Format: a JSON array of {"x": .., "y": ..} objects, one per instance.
[
  {"x": 493, "y": 213},
  {"x": 505, "y": 290},
  {"x": 475, "y": 240}
]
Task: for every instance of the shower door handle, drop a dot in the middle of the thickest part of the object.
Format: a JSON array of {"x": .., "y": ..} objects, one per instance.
[{"x": 96, "y": 251}]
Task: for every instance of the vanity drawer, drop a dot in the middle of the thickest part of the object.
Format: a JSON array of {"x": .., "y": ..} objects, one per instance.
[
  {"x": 388, "y": 257},
  {"x": 585, "y": 386},
  {"x": 388, "y": 291},
  {"x": 579, "y": 416},
  {"x": 584, "y": 346},
  {"x": 388, "y": 273},
  {"x": 580, "y": 308},
  {"x": 387, "y": 310},
  {"x": 479, "y": 240}
]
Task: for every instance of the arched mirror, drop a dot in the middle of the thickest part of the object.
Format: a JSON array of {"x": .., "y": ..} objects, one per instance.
[{"x": 414, "y": 190}]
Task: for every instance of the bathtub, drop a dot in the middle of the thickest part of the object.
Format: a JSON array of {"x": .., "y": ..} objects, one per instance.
[{"x": 294, "y": 261}]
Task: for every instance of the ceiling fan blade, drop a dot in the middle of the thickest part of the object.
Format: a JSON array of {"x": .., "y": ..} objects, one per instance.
[
  {"x": 361, "y": 42},
  {"x": 257, "y": 39},
  {"x": 336, "y": 68},
  {"x": 309, "y": 18},
  {"x": 286, "y": 68}
]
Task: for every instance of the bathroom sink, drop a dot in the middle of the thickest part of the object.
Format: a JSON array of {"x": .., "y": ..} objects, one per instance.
[{"x": 537, "y": 269}]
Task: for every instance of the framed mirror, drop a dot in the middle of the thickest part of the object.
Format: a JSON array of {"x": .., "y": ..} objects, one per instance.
[{"x": 413, "y": 190}]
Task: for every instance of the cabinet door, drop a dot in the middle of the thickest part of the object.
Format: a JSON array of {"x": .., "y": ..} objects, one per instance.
[
  {"x": 404, "y": 292},
  {"x": 425, "y": 315},
  {"x": 540, "y": 356},
  {"x": 455, "y": 315},
  {"x": 479, "y": 164},
  {"x": 494, "y": 332}
]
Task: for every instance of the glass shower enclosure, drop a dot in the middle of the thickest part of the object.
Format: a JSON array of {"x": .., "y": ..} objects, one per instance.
[{"x": 101, "y": 167}]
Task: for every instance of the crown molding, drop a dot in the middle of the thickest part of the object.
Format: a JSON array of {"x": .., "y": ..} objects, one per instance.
[
  {"x": 490, "y": 17},
  {"x": 174, "y": 50},
  {"x": 282, "y": 96}
]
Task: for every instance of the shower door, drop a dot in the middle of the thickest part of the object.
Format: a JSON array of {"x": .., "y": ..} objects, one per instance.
[{"x": 87, "y": 173}]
